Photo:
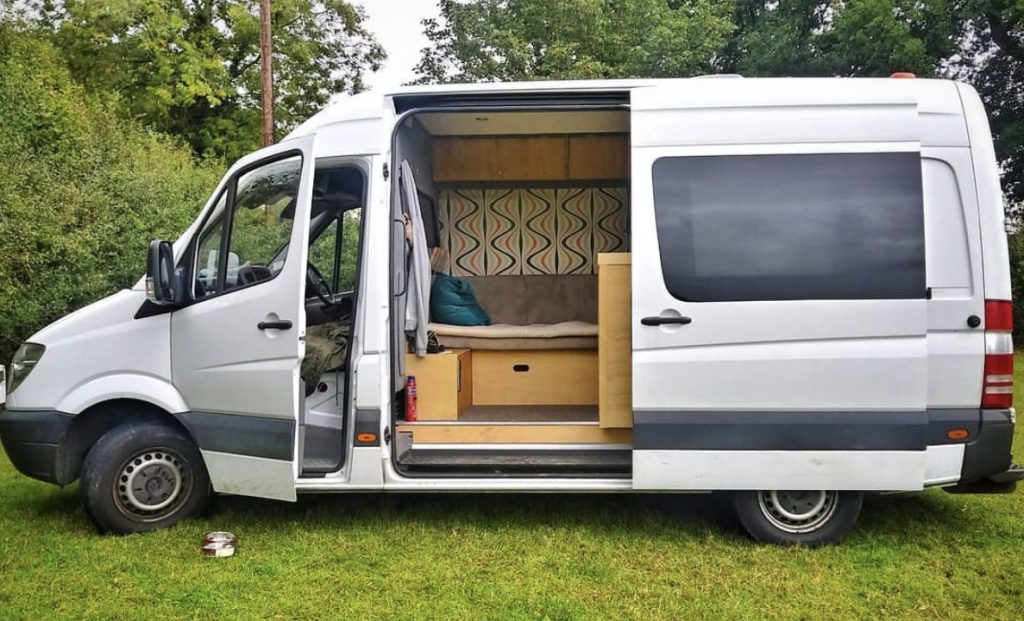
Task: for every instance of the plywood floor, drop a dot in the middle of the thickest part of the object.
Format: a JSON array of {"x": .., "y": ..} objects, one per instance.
[{"x": 530, "y": 414}]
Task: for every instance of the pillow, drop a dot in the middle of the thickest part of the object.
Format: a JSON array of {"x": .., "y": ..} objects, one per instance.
[{"x": 452, "y": 302}]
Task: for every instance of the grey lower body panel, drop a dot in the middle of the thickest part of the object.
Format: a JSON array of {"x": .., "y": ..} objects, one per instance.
[
  {"x": 986, "y": 448},
  {"x": 38, "y": 442},
  {"x": 252, "y": 436},
  {"x": 783, "y": 431}
]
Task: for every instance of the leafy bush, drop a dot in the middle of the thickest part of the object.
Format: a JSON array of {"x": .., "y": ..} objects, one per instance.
[
  {"x": 81, "y": 192},
  {"x": 1016, "y": 242}
]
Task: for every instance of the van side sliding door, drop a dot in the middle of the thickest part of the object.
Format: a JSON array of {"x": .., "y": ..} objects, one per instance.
[{"x": 779, "y": 288}]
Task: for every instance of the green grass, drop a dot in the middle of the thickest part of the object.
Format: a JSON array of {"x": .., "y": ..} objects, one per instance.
[{"x": 916, "y": 556}]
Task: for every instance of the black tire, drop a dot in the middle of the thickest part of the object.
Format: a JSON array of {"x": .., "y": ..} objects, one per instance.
[
  {"x": 143, "y": 476},
  {"x": 823, "y": 517}
]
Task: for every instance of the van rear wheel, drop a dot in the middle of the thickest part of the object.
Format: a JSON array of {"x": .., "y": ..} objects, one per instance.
[
  {"x": 809, "y": 518},
  {"x": 141, "y": 477}
]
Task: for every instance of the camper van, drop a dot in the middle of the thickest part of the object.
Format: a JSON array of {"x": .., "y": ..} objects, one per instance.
[{"x": 791, "y": 291}]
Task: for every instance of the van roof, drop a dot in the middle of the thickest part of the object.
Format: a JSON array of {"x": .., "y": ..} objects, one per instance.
[{"x": 936, "y": 96}]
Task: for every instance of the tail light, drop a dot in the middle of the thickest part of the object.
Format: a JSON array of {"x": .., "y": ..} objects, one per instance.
[{"x": 997, "y": 388}]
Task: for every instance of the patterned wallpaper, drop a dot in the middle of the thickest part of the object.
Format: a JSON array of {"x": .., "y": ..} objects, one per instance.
[{"x": 492, "y": 232}]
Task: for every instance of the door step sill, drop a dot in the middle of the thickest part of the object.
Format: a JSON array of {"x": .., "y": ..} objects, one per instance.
[{"x": 518, "y": 461}]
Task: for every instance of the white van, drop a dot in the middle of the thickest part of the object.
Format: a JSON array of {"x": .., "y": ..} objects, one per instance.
[{"x": 794, "y": 290}]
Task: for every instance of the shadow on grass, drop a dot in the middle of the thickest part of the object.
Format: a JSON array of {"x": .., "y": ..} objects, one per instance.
[
  {"x": 54, "y": 502},
  {"x": 655, "y": 515}
]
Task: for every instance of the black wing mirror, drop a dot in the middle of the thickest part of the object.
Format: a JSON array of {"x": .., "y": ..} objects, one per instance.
[{"x": 161, "y": 284}]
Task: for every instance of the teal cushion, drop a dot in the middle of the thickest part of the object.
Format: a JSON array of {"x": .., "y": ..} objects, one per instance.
[{"x": 452, "y": 302}]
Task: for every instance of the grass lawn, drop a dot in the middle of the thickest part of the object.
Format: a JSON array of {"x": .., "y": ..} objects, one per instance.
[{"x": 919, "y": 556}]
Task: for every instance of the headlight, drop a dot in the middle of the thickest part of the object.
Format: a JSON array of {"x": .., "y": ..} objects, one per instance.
[{"x": 25, "y": 360}]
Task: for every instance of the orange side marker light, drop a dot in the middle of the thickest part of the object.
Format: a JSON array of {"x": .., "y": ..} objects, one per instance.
[
  {"x": 957, "y": 434},
  {"x": 366, "y": 437}
]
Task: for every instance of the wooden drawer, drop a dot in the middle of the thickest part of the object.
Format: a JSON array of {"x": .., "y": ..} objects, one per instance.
[
  {"x": 535, "y": 377},
  {"x": 444, "y": 383}
]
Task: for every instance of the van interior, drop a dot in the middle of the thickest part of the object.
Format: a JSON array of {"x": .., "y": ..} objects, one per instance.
[
  {"x": 528, "y": 205},
  {"x": 530, "y": 208}
]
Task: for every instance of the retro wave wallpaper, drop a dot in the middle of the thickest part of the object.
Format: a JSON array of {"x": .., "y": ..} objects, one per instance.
[{"x": 522, "y": 231}]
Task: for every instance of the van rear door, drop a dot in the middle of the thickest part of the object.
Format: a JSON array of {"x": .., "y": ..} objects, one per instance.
[{"x": 779, "y": 287}]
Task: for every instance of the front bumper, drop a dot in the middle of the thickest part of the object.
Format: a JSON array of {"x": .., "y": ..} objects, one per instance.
[{"x": 35, "y": 443}]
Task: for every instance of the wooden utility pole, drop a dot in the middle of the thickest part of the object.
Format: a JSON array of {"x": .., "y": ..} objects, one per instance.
[{"x": 266, "y": 74}]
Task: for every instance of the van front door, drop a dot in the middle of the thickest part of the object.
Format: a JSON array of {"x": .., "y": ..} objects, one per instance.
[
  {"x": 237, "y": 345},
  {"x": 778, "y": 290}
]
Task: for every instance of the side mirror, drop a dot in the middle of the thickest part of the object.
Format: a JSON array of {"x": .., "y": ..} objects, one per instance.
[{"x": 161, "y": 285}]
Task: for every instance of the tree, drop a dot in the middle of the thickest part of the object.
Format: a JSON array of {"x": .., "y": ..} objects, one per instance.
[
  {"x": 191, "y": 67},
  {"x": 864, "y": 38},
  {"x": 991, "y": 58},
  {"x": 82, "y": 191},
  {"x": 489, "y": 40}
]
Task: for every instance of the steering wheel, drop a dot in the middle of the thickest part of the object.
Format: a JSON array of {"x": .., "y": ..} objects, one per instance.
[{"x": 321, "y": 288}]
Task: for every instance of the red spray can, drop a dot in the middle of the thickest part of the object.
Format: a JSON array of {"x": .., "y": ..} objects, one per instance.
[{"x": 410, "y": 399}]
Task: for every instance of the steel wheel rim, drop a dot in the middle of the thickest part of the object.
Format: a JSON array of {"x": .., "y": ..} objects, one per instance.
[
  {"x": 152, "y": 484},
  {"x": 798, "y": 512}
]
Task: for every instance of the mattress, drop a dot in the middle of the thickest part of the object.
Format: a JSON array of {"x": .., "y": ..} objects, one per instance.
[{"x": 564, "y": 335}]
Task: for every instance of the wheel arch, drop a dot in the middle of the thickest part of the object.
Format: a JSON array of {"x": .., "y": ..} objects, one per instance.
[
  {"x": 148, "y": 389},
  {"x": 95, "y": 421}
]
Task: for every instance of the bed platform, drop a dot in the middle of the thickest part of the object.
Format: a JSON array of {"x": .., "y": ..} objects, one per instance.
[{"x": 535, "y": 311}]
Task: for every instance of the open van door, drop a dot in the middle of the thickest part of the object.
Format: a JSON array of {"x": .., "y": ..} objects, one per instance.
[
  {"x": 237, "y": 344},
  {"x": 779, "y": 292}
]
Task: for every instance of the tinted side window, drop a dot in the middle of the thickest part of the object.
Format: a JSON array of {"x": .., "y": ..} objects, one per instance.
[{"x": 791, "y": 227}]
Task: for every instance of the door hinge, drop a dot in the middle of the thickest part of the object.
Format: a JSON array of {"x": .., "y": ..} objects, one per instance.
[
  {"x": 386, "y": 172},
  {"x": 387, "y": 435}
]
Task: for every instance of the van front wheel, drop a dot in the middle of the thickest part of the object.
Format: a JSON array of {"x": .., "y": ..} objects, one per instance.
[
  {"x": 141, "y": 477},
  {"x": 809, "y": 518}
]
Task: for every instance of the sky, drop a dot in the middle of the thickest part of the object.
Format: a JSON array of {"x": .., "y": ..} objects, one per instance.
[{"x": 396, "y": 24}]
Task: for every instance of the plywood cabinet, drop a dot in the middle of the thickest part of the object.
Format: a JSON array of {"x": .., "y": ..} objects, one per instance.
[
  {"x": 460, "y": 159},
  {"x": 531, "y": 158},
  {"x": 444, "y": 383},
  {"x": 500, "y": 159},
  {"x": 535, "y": 159},
  {"x": 599, "y": 157},
  {"x": 614, "y": 340}
]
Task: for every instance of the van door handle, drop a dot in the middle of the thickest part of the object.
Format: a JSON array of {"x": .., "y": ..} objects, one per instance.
[
  {"x": 660, "y": 321},
  {"x": 282, "y": 324}
]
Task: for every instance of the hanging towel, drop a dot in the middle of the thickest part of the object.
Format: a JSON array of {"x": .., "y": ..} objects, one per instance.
[{"x": 417, "y": 313}]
